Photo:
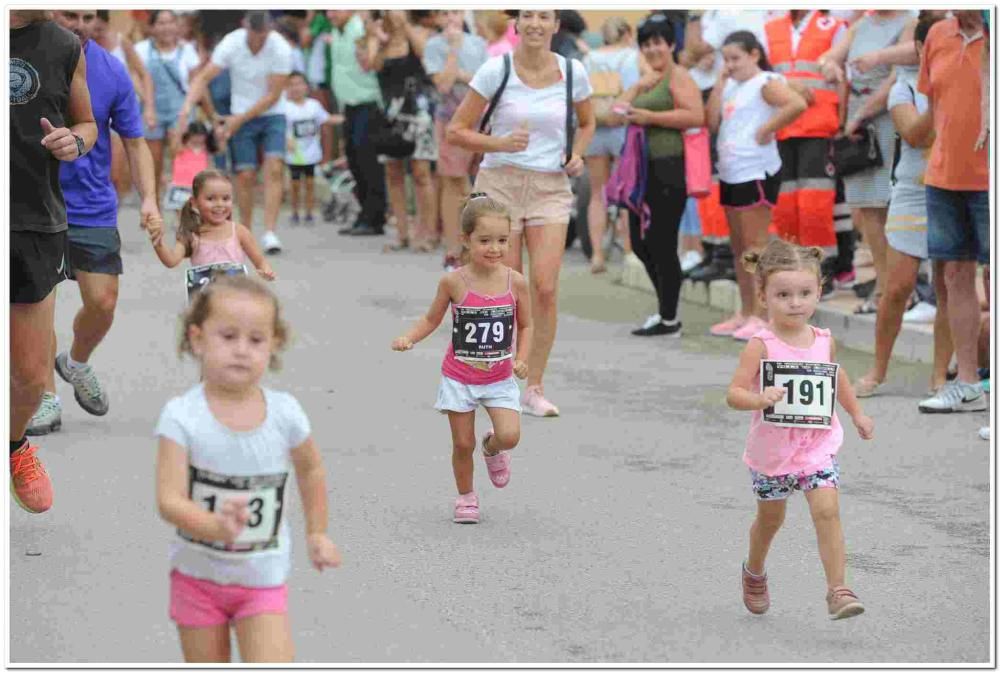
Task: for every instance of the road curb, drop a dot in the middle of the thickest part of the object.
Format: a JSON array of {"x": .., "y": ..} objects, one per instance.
[{"x": 914, "y": 344}]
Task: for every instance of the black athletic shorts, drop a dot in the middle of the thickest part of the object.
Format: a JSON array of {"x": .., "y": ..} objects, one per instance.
[
  {"x": 299, "y": 172},
  {"x": 94, "y": 249},
  {"x": 750, "y": 194},
  {"x": 37, "y": 264}
]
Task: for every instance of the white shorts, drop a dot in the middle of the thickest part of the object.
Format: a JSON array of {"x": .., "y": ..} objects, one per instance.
[{"x": 460, "y": 397}]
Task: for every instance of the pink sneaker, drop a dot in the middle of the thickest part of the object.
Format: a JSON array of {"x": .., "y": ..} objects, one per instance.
[
  {"x": 726, "y": 328},
  {"x": 533, "y": 403},
  {"x": 498, "y": 465},
  {"x": 751, "y": 327},
  {"x": 467, "y": 508}
]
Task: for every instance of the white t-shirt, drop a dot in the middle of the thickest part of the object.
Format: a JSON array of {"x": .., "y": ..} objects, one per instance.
[
  {"x": 248, "y": 71},
  {"x": 303, "y": 122},
  {"x": 744, "y": 110},
  {"x": 184, "y": 56},
  {"x": 224, "y": 463},
  {"x": 544, "y": 111}
]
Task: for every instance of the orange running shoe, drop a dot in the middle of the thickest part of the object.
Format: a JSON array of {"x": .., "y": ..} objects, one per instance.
[{"x": 29, "y": 482}]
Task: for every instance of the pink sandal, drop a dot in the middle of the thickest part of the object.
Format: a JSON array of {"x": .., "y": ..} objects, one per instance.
[{"x": 498, "y": 465}]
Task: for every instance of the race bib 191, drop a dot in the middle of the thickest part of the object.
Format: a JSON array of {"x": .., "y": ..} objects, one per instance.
[
  {"x": 198, "y": 277},
  {"x": 810, "y": 393},
  {"x": 265, "y": 497},
  {"x": 483, "y": 333}
]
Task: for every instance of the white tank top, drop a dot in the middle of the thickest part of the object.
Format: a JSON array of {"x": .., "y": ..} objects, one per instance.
[{"x": 744, "y": 110}]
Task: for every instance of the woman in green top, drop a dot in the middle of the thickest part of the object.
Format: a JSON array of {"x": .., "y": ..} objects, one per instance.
[{"x": 666, "y": 101}]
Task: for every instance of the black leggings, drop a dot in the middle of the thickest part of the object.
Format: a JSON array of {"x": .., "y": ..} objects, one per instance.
[{"x": 666, "y": 196}]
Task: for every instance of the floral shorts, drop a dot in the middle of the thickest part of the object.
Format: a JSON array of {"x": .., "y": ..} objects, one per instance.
[{"x": 778, "y": 488}]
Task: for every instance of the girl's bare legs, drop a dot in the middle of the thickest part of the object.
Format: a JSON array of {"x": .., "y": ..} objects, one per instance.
[
  {"x": 265, "y": 638},
  {"x": 754, "y": 223},
  {"x": 205, "y": 645},
  {"x": 691, "y": 242},
  {"x": 463, "y": 445},
  {"x": 506, "y": 429},
  {"x": 824, "y": 506},
  {"x": 770, "y": 516},
  {"x": 623, "y": 231},
  {"x": 295, "y": 191},
  {"x": 395, "y": 181},
  {"x": 427, "y": 212},
  {"x": 546, "y": 244},
  {"x": 310, "y": 195},
  {"x": 597, "y": 209}
]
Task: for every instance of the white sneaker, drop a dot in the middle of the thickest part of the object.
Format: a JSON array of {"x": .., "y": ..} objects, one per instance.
[
  {"x": 955, "y": 396},
  {"x": 921, "y": 313},
  {"x": 691, "y": 259},
  {"x": 984, "y": 433},
  {"x": 269, "y": 241},
  {"x": 652, "y": 320}
]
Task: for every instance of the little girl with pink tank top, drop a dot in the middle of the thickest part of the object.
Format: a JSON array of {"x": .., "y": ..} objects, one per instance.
[
  {"x": 490, "y": 342},
  {"x": 788, "y": 377},
  {"x": 206, "y": 233}
]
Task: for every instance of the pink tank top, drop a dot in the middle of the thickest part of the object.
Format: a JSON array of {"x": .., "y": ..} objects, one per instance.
[
  {"x": 480, "y": 373},
  {"x": 188, "y": 164},
  {"x": 775, "y": 450},
  {"x": 213, "y": 252}
]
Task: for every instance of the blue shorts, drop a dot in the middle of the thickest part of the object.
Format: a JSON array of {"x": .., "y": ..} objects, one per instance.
[
  {"x": 94, "y": 250},
  {"x": 159, "y": 132},
  {"x": 691, "y": 220},
  {"x": 958, "y": 226},
  {"x": 766, "y": 487},
  {"x": 267, "y": 132}
]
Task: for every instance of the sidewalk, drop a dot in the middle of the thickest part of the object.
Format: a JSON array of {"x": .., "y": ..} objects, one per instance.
[{"x": 914, "y": 344}]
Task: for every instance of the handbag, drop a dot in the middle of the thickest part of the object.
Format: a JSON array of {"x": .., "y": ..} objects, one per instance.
[
  {"x": 850, "y": 156},
  {"x": 607, "y": 87},
  {"x": 697, "y": 162}
]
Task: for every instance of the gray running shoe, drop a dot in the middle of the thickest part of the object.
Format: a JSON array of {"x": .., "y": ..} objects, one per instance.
[
  {"x": 86, "y": 388},
  {"x": 48, "y": 418},
  {"x": 955, "y": 396}
]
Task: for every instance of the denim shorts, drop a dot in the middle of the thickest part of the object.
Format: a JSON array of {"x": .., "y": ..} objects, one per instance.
[
  {"x": 159, "y": 132},
  {"x": 958, "y": 225},
  {"x": 267, "y": 132},
  {"x": 607, "y": 142},
  {"x": 94, "y": 250},
  {"x": 766, "y": 487}
]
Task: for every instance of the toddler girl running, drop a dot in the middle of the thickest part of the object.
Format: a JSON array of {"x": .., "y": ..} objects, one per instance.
[
  {"x": 206, "y": 233},
  {"x": 226, "y": 447},
  {"x": 487, "y": 300},
  {"x": 794, "y": 431}
]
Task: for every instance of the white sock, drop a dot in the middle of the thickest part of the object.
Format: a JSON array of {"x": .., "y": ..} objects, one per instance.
[
  {"x": 72, "y": 364},
  {"x": 670, "y": 323}
]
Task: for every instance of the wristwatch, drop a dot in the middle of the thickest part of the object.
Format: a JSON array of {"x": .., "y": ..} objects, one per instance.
[{"x": 80, "y": 145}]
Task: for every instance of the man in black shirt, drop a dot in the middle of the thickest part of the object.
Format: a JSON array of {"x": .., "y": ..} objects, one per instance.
[{"x": 50, "y": 121}]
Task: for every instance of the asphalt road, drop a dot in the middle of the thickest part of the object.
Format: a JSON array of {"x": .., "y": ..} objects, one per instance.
[{"x": 619, "y": 538}]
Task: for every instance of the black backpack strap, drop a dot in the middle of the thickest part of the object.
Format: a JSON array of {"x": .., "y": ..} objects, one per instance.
[
  {"x": 496, "y": 97},
  {"x": 570, "y": 128}
]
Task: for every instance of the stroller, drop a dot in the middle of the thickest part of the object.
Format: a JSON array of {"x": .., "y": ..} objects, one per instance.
[{"x": 343, "y": 207}]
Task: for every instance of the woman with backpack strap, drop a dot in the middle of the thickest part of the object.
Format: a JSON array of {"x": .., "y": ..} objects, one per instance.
[{"x": 528, "y": 162}]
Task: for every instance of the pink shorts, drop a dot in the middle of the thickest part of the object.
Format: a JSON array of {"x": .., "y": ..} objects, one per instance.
[
  {"x": 196, "y": 603},
  {"x": 533, "y": 198},
  {"x": 453, "y": 161}
]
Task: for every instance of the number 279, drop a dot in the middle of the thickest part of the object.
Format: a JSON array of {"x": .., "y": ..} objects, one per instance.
[{"x": 807, "y": 391}]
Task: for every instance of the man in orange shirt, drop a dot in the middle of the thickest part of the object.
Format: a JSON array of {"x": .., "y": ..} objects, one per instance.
[{"x": 957, "y": 180}]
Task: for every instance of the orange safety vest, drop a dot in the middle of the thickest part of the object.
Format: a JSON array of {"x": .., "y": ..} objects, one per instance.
[{"x": 821, "y": 119}]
